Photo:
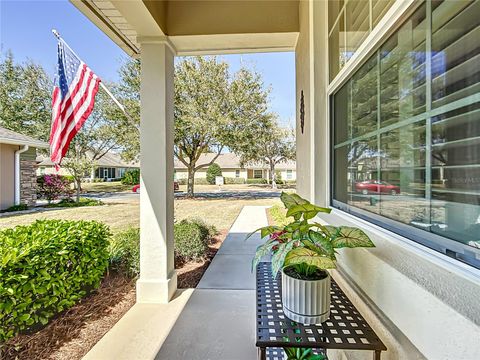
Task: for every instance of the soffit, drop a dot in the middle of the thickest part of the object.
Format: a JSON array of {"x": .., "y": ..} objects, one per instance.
[{"x": 198, "y": 27}]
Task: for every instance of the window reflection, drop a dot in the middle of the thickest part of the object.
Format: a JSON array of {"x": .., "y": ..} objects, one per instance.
[
  {"x": 363, "y": 161},
  {"x": 357, "y": 24},
  {"x": 400, "y": 153},
  {"x": 349, "y": 23},
  {"x": 364, "y": 107},
  {"x": 337, "y": 47}
]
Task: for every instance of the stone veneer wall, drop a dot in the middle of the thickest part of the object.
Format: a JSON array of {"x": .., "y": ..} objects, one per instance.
[{"x": 28, "y": 182}]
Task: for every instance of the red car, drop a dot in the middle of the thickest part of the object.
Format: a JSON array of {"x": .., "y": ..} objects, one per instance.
[
  {"x": 377, "y": 187},
  {"x": 136, "y": 188}
]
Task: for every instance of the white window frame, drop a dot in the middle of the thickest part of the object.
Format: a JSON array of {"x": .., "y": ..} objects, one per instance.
[
  {"x": 256, "y": 170},
  {"x": 399, "y": 12}
]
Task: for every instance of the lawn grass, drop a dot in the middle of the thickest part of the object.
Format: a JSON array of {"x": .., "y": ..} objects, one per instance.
[
  {"x": 221, "y": 213},
  {"x": 121, "y": 215},
  {"x": 114, "y": 186}
]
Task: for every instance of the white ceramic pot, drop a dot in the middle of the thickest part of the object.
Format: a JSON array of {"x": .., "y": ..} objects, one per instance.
[{"x": 304, "y": 301}]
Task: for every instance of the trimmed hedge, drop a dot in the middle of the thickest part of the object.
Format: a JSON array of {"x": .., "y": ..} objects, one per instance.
[
  {"x": 257, "y": 181},
  {"x": 191, "y": 239},
  {"x": 45, "y": 268},
  {"x": 197, "y": 181},
  {"x": 124, "y": 252},
  {"x": 233, "y": 180}
]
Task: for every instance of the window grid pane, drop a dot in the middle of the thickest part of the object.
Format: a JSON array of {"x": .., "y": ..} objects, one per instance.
[{"x": 407, "y": 130}]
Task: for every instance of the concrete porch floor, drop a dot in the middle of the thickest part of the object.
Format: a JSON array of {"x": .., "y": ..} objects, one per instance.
[{"x": 215, "y": 321}]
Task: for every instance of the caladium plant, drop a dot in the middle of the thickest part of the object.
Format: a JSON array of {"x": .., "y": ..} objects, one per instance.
[
  {"x": 302, "y": 354},
  {"x": 303, "y": 244}
]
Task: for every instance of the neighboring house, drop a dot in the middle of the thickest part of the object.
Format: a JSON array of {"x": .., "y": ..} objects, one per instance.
[
  {"x": 108, "y": 168},
  {"x": 231, "y": 168},
  {"x": 18, "y": 182}
]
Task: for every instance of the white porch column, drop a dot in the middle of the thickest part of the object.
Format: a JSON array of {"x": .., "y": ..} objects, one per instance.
[{"x": 158, "y": 280}]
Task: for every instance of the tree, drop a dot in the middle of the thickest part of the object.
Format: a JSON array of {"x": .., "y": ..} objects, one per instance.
[
  {"x": 25, "y": 97},
  {"x": 213, "y": 111},
  {"x": 271, "y": 146},
  {"x": 127, "y": 92},
  {"x": 78, "y": 165},
  {"x": 213, "y": 171}
]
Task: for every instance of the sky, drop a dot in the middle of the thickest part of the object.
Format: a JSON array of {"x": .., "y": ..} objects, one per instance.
[{"x": 25, "y": 29}]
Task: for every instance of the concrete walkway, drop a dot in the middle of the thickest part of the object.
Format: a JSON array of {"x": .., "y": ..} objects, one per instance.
[{"x": 218, "y": 321}]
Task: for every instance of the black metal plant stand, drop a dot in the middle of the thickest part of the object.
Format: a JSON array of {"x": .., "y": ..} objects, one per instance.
[{"x": 346, "y": 328}]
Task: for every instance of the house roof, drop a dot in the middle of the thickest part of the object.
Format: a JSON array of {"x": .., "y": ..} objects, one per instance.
[
  {"x": 14, "y": 138},
  {"x": 110, "y": 159},
  {"x": 232, "y": 161}
]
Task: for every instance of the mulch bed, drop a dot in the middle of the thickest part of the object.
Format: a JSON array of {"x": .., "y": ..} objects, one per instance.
[{"x": 73, "y": 333}]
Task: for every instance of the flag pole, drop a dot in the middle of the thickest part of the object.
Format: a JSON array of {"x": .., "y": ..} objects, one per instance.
[{"x": 102, "y": 85}]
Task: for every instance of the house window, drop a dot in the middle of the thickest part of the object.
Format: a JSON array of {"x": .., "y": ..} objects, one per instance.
[
  {"x": 406, "y": 132},
  {"x": 349, "y": 23},
  {"x": 257, "y": 174},
  {"x": 237, "y": 173},
  {"x": 289, "y": 174},
  {"x": 42, "y": 170}
]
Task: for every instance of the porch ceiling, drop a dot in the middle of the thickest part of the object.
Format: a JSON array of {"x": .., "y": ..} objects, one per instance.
[{"x": 198, "y": 27}]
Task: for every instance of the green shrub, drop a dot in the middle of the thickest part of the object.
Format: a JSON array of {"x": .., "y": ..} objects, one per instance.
[
  {"x": 197, "y": 181},
  {"x": 124, "y": 252},
  {"x": 131, "y": 177},
  {"x": 207, "y": 230},
  {"x": 45, "y": 268},
  {"x": 191, "y": 240},
  {"x": 201, "y": 181},
  {"x": 233, "y": 180},
  {"x": 213, "y": 171},
  {"x": 20, "y": 207},
  {"x": 257, "y": 181},
  {"x": 67, "y": 203}
]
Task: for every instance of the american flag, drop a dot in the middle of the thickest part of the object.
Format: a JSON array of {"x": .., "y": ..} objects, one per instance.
[{"x": 73, "y": 99}]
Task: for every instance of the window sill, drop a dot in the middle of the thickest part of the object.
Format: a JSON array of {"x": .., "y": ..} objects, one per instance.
[{"x": 443, "y": 261}]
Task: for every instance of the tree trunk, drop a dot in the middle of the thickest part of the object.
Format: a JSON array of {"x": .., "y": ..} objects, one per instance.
[
  {"x": 78, "y": 185},
  {"x": 190, "y": 181},
  {"x": 272, "y": 175}
]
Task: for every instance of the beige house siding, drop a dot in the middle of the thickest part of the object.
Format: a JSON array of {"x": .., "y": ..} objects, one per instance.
[
  {"x": 28, "y": 183},
  {"x": 7, "y": 175},
  {"x": 202, "y": 173},
  {"x": 49, "y": 170},
  {"x": 243, "y": 174}
]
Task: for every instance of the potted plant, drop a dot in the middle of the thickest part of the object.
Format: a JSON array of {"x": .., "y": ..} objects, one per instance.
[
  {"x": 301, "y": 354},
  {"x": 303, "y": 251}
]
